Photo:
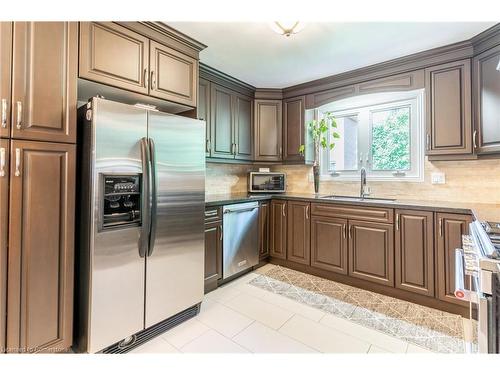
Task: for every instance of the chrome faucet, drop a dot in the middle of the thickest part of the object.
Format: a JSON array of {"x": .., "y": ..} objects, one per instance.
[{"x": 362, "y": 192}]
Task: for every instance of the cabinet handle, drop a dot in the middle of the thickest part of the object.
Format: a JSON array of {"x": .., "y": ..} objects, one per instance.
[
  {"x": 4, "y": 113},
  {"x": 281, "y": 151},
  {"x": 146, "y": 77},
  {"x": 2, "y": 162},
  {"x": 220, "y": 227},
  {"x": 153, "y": 81},
  {"x": 208, "y": 146},
  {"x": 307, "y": 212},
  {"x": 17, "y": 173},
  {"x": 428, "y": 142},
  {"x": 236, "y": 148},
  {"x": 345, "y": 231},
  {"x": 211, "y": 213},
  {"x": 283, "y": 209},
  {"x": 397, "y": 222},
  {"x": 474, "y": 139},
  {"x": 440, "y": 227},
  {"x": 350, "y": 231},
  {"x": 19, "y": 115}
]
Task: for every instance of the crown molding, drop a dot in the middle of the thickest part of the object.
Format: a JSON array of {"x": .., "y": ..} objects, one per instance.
[{"x": 223, "y": 79}]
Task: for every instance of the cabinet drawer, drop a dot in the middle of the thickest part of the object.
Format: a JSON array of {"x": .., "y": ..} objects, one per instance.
[
  {"x": 380, "y": 215},
  {"x": 213, "y": 214}
]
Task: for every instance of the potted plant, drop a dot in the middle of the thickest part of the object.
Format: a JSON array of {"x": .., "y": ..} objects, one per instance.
[{"x": 318, "y": 129}]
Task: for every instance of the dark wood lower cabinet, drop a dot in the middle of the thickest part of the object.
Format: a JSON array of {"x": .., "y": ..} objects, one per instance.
[
  {"x": 371, "y": 252},
  {"x": 213, "y": 255},
  {"x": 4, "y": 219},
  {"x": 263, "y": 230},
  {"x": 414, "y": 251},
  {"x": 41, "y": 240},
  {"x": 329, "y": 244},
  {"x": 298, "y": 247},
  {"x": 449, "y": 231},
  {"x": 277, "y": 245}
]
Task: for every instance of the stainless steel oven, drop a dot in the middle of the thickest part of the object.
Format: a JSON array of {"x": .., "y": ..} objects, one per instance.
[{"x": 266, "y": 182}]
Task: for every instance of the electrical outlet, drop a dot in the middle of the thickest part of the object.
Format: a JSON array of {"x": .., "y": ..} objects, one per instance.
[{"x": 438, "y": 178}]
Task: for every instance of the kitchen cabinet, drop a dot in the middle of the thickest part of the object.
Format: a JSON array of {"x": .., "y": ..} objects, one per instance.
[
  {"x": 486, "y": 81},
  {"x": 203, "y": 111},
  {"x": 278, "y": 230},
  {"x": 213, "y": 255},
  {"x": 41, "y": 240},
  {"x": 449, "y": 231},
  {"x": 243, "y": 127},
  {"x": 298, "y": 247},
  {"x": 448, "y": 109},
  {"x": 329, "y": 245},
  {"x": 264, "y": 230},
  {"x": 268, "y": 130},
  {"x": 371, "y": 252},
  {"x": 114, "y": 55},
  {"x": 414, "y": 251},
  {"x": 44, "y": 80},
  {"x": 4, "y": 212},
  {"x": 293, "y": 128},
  {"x": 5, "y": 76},
  {"x": 174, "y": 76}
]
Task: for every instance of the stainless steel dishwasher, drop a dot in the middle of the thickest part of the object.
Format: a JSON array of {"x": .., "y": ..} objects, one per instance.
[{"x": 240, "y": 244}]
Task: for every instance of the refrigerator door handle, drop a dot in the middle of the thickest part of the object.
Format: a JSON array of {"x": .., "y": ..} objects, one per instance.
[
  {"x": 145, "y": 201},
  {"x": 154, "y": 197}
]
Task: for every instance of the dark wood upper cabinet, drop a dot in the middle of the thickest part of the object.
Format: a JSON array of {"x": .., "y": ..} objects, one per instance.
[
  {"x": 114, "y": 55},
  {"x": 371, "y": 252},
  {"x": 329, "y": 244},
  {"x": 277, "y": 243},
  {"x": 44, "y": 80},
  {"x": 449, "y": 123},
  {"x": 264, "y": 230},
  {"x": 449, "y": 231},
  {"x": 243, "y": 127},
  {"x": 414, "y": 251},
  {"x": 4, "y": 212},
  {"x": 268, "y": 130},
  {"x": 174, "y": 75},
  {"x": 299, "y": 232},
  {"x": 486, "y": 81},
  {"x": 203, "y": 111},
  {"x": 222, "y": 122},
  {"x": 5, "y": 76},
  {"x": 213, "y": 255},
  {"x": 41, "y": 239},
  {"x": 293, "y": 128}
]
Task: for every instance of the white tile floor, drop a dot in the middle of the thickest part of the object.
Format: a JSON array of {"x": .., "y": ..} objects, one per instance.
[{"x": 239, "y": 318}]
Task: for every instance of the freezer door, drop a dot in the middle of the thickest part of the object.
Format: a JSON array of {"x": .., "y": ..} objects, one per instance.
[
  {"x": 117, "y": 269},
  {"x": 175, "y": 265}
]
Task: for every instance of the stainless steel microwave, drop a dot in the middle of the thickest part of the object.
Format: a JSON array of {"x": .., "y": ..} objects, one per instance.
[{"x": 266, "y": 182}]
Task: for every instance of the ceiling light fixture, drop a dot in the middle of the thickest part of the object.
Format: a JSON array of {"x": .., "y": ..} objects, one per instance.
[{"x": 287, "y": 28}]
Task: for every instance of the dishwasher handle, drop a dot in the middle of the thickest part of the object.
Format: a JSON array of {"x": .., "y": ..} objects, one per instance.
[{"x": 229, "y": 210}]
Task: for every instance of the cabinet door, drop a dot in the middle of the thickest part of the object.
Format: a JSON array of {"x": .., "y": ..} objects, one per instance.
[
  {"x": 293, "y": 128},
  {"x": 329, "y": 244},
  {"x": 277, "y": 247},
  {"x": 44, "y": 66},
  {"x": 5, "y": 76},
  {"x": 114, "y": 55},
  {"x": 415, "y": 251},
  {"x": 486, "y": 80},
  {"x": 41, "y": 237},
  {"x": 264, "y": 230},
  {"x": 448, "y": 91},
  {"x": 174, "y": 76},
  {"x": 299, "y": 232},
  {"x": 371, "y": 252},
  {"x": 203, "y": 111},
  {"x": 213, "y": 255},
  {"x": 268, "y": 128},
  {"x": 221, "y": 102},
  {"x": 449, "y": 231},
  {"x": 243, "y": 124},
  {"x": 4, "y": 197}
]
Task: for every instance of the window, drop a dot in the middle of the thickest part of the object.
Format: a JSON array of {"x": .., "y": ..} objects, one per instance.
[{"x": 379, "y": 132}]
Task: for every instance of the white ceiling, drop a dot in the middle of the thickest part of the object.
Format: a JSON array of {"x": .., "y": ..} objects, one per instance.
[{"x": 255, "y": 54}]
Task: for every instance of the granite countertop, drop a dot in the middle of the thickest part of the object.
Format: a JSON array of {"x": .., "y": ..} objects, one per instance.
[{"x": 481, "y": 211}]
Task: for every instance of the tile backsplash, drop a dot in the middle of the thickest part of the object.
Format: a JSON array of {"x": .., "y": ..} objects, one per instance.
[{"x": 474, "y": 181}]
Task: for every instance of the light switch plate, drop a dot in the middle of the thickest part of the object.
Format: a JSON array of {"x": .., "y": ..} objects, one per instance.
[{"x": 438, "y": 178}]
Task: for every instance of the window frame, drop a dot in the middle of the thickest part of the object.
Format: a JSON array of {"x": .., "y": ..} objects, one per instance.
[{"x": 364, "y": 106}]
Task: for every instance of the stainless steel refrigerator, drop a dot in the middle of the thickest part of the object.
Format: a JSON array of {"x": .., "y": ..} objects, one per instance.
[{"x": 140, "y": 261}]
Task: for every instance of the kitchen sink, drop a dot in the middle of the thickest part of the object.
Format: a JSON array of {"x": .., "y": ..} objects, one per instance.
[{"x": 357, "y": 199}]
